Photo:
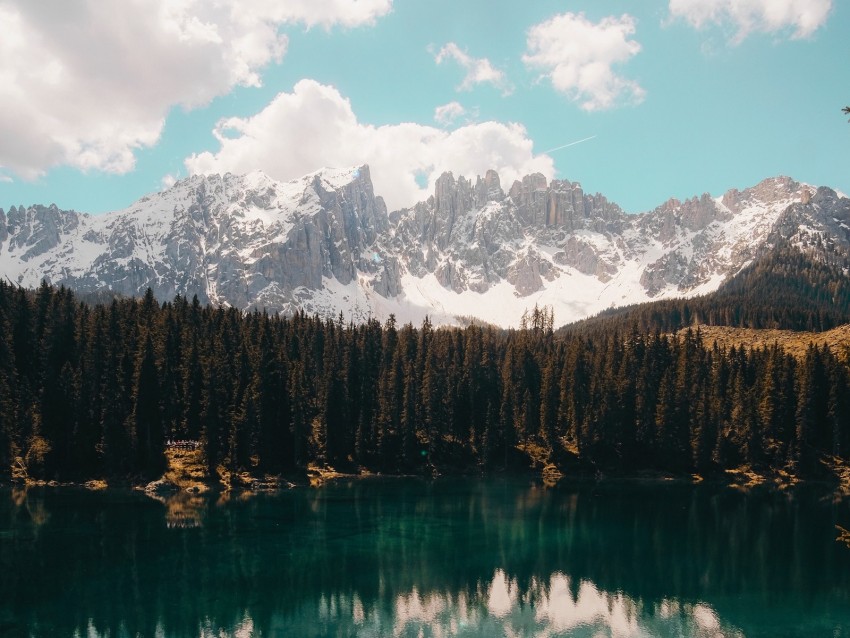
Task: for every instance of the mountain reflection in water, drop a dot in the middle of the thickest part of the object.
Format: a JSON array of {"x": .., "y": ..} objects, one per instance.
[
  {"x": 495, "y": 557},
  {"x": 498, "y": 611}
]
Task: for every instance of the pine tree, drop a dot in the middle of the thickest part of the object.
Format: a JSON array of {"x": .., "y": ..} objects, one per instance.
[
  {"x": 298, "y": 415},
  {"x": 88, "y": 392},
  {"x": 8, "y": 423},
  {"x": 704, "y": 432},
  {"x": 171, "y": 385},
  {"x": 409, "y": 396},
  {"x": 549, "y": 403},
  {"x": 365, "y": 439},
  {"x": 813, "y": 432},
  {"x": 115, "y": 444},
  {"x": 575, "y": 395},
  {"x": 839, "y": 410},
  {"x": 244, "y": 420},
  {"x": 505, "y": 438},
  {"x": 391, "y": 390},
  {"x": 147, "y": 414},
  {"x": 769, "y": 407},
  {"x": 216, "y": 404},
  {"x": 335, "y": 406},
  {"x": 193, "y": 392},
  {"x": 272, "y": 382},
  {"x": 57, "y": 403}
]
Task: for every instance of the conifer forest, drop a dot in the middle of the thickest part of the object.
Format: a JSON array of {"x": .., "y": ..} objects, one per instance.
[{"x": 95, "y": 390}]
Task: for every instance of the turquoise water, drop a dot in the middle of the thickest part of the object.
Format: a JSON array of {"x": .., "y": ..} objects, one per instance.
[{"x": 410, "y": 558}]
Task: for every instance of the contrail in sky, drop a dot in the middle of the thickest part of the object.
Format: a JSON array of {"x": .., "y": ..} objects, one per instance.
[{"x": 558, "y": 148}]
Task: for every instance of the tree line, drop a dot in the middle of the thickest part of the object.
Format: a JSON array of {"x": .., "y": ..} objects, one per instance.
[
  {"x": 93, "y": 391},
  {"x": 786, "y": 289}
]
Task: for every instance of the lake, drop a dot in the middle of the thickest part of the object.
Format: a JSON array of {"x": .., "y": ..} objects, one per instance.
[{"x": 411, "y": 558}]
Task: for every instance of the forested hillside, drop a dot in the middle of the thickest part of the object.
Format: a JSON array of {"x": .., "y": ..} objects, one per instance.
[
  {"x": 96, "y": 391},
  {"x": 786, "y": 288}
]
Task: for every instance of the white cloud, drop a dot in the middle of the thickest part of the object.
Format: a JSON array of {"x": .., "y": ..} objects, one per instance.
[
  {"x": 579, "y": 56},
  {"x": 802, "y": 17},
  {"x": 87, "y": 83},
  {"x": 448, "y": 113},
  {"x": 168, "y": 180},
  {"x": 478, "y": 70},
  {"x": 325, "y": 13},
  {"x": 315, "y": 126}
]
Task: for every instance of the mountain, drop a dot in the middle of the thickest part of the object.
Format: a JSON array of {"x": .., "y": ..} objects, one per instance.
[
  {"x": 788, "y": 287},
  {"x": 326, "y": 243}
]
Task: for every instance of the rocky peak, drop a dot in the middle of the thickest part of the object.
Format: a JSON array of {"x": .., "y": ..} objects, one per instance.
[
  {"x": 530, "y": 196},
  {"x": 452, "y": 198},
  {"x": 824, "y": 214},
  {"x": 488, "y": 189},
  {"x": 697, "y": 213},
  {"x": 561, "y": 205},
  {"x": 768, "y": 191},
  {"x": 362, "y": 210},
  {"x": 38, "y": 228},
  {"x": 325, "y": 243},
  {"x": 693, "y": 214},
  {"x": 825, "y": 196}
]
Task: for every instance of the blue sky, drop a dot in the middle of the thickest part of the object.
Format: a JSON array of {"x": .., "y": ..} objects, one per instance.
[{"x": 672, "y": 98}]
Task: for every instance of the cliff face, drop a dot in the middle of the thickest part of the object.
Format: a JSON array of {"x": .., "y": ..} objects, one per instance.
[
  {"x": 326, "y": 243},
  {"x": 245, "y": 241}
]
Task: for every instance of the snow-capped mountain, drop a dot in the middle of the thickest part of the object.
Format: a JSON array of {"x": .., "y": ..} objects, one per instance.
[{"x": 327, "y": 244}]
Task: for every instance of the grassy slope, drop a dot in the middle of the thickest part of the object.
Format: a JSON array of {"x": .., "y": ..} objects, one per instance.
[{"x": 795, "y": 343}]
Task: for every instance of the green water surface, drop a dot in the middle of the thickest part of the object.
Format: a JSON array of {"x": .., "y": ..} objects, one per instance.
[{"x": 411, "y": 558}]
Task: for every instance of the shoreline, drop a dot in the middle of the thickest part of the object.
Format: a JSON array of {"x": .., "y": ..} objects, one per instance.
[
  {"x": 738, "y": 478},
  {"x": 186, "y": 472}
]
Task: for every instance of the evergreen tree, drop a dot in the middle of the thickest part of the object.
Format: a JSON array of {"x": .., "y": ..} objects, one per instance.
[
  {"x": 769, "y": 408},
  {"x": 115, "y": 445},
  {"x": 549, "y": 403},
  {"x": 839, "y": 410},
  {"x": 87, "y": 392},
  {"x": 335, "y": 405},
  {"x": 147, "y": 414},
  {"x": 271, "y": 383},
  {"x": 298, "y": 416},
  {"x": 171, "y": 386},
  {"x": 391, "y": 389},
  {"x": 813, "y": 426},
  {"x": 8, "y": 423},
  {"x": 193, "y": 392}
]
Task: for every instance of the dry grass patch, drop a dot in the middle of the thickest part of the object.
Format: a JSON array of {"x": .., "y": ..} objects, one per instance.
[
  {"x": 843, "y": 535},
  {"x": 841, "y": 469},
  {"x": 186, "y": 470},
  {"x": 319, "y": 475},
  {"x": 794, "y": 343}
]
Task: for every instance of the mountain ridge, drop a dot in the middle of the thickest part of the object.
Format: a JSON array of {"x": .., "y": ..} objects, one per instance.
[{"x": 326, "y": 243}]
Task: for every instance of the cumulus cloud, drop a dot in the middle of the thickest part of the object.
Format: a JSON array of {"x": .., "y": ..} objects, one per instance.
[
  {"x": 478, "y": 70},
  {"x": 447, "y": 114},
  {"x": 315, "y": 126},
  {"x": 86, "y": 83},
  {"x": 168, "y": 180},
  {"x": 578, "y": 56},
  {"x": 801, "y": 17}
]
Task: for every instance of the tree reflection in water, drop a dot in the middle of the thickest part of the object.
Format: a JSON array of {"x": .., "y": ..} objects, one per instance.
[
  {"x": 182, "y": 509},
  {"x": 413, "y": 558}
]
